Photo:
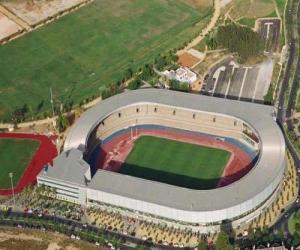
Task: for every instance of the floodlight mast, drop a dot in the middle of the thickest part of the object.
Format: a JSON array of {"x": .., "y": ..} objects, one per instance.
[
  {"x": 12, "y": 187},
  {"x": 51, "y": 100}
]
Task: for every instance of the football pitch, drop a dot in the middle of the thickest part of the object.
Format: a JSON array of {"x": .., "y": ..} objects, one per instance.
[
  {"x": 177, "y": 163},
  {"x": 14, "y": 157},
  {"x": 83, "y": 51}
]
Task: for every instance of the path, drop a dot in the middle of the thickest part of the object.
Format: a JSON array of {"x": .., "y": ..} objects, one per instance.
[
  {"x": 277, "y": 10},
  {"x": 15, "y": 18},
  {"x": 208, "y": 28}
]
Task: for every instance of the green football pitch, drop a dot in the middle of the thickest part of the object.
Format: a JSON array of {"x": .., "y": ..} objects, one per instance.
[
  {"x": 14, "y": 157},
  {"x": 177, "y": 163},
  {"x": 83, "y": 51}
]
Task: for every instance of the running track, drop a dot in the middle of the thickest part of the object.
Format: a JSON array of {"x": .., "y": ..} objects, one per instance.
[
  {"x": 114, "y": 152},
  {"x": 44, "y": 154}
]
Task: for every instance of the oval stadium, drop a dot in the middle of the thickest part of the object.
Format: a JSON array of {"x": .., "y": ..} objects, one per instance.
[{"x": 169, "y": 156}]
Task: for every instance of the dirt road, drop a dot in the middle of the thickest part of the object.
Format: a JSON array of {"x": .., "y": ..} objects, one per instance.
[{"x": 208, "y": 28}]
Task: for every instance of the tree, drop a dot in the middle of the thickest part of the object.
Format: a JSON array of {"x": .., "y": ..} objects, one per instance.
[
  {"x": 62, "y": 123},
  {"x": 297, "y": 227},
  {"x": 222, "y": 242},
  {"x": 134, "y": 84},
  {"x": 238, "y": 39},
  {"x": 110, "y": 90}
]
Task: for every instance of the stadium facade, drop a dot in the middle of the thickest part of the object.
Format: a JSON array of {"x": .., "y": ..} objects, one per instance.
[{"x": 253, "y": 125}]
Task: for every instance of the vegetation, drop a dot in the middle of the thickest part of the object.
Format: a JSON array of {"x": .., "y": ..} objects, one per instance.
[
  {"x": 222, "y": 242},
  {"x": 180, "y": 86},
  {"x": 237, "y": 39},
  {"x": 202, "y": 246},
  {"x": 62, "y": 123},
  {"x": 294, "y": 227},
  {"x": 268, "y": 98},
  {"x": 15, "y": 155},
  {"x": 262, "y": 237},
  {"x": 175, "y": 162},
  {"x": 293, "y": 139},
  {"x": 280, "y": 5},
  {"x": 294, "y": 223},
  {"x": 247, "y": 22},
  {"x": 252, "y": 9},
  {"x": 86, "y": 51}
]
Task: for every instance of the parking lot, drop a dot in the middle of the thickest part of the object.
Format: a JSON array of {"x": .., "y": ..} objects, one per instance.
[{"x": 230, "y": 80}]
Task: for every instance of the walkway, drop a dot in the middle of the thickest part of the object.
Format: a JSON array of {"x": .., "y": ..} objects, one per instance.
[{"x": 209, "y": 27}]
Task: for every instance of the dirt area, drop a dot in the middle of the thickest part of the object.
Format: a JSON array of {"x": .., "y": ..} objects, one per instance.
[
  {"x": 15, "y": 239},
  {"x": 35, "y": 12},
  {"x": 8, "y": 28},
  {"x": 208, "y": 28},
  {"x": 187, "y": 60},
  {"x": 210, "y": 60}
]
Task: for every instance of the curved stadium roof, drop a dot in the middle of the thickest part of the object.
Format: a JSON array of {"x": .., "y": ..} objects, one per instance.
[{"x": 267, "y": 172}]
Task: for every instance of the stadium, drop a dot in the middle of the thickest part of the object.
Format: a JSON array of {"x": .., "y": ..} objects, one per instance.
[{"x": 181, "y": 158}]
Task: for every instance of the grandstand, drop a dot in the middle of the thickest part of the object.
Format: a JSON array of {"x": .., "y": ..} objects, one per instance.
[{"x": 103, "y": 138}]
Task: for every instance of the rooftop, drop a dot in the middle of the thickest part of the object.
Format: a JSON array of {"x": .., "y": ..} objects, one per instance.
[{"x": 69, "y": 167}]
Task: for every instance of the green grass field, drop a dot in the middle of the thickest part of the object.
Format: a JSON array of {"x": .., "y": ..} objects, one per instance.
[
  {"x": 14, "y": 157},
  {"x": 176, "y": 163},
  {"x": 83, "y": 51}
]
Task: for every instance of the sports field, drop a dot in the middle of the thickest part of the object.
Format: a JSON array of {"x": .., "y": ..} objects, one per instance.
[
  {"x": 176, "y": 163},
  {"x": 14, "y": 157},
  {"x": 83, "y": 51}
]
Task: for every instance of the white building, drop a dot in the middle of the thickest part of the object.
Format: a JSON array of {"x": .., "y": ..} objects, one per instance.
[{"x": 182, "y": 74}]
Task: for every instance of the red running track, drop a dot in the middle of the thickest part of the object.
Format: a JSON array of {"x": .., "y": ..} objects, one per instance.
[
  {"x": 44, "y": 154},
  {"x": 113, "y": 153}
]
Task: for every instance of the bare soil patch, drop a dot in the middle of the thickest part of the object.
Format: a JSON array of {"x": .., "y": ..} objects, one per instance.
[
  {"x": 35, "y": 12},
  {"x": 8, "y": 28},
  {"x": 187, "y": 60},
  {"x": 15, "y": 239}
]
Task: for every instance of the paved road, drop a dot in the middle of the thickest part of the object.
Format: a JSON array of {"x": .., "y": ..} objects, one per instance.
[{"x": 283, "y": 113}]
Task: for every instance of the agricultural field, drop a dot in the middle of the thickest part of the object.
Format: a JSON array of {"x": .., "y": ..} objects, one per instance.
[
  {"x": 86, "y": 50},
  {"x": 176, "y": 163},
  {"x": 15, "y": 154}
]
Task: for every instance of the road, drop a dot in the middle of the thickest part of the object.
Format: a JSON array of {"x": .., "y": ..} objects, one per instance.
[{"x": 283, "y": 113}]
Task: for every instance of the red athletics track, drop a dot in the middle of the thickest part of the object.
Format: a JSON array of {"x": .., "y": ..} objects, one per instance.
[
  {"x": 114, "y": 153},
  {"x": 44, "y": 154}
]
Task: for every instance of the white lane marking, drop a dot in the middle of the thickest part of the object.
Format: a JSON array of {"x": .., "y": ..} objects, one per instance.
[
  {"x": 229, "y": 82},
  {"x": 256, "y": 84},
  {"x": 244, "y": 80}
]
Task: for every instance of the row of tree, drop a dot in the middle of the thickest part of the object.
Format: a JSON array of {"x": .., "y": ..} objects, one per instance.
[
  {"x": 237, "y": 39},
  {"x": 133, "y": 80}
]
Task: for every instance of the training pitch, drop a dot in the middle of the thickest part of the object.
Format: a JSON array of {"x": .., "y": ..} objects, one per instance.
[
  {"x": 176, "y": 163},
  {"x": 82, "y": 52},
  {"x": 15, "y": 156}
]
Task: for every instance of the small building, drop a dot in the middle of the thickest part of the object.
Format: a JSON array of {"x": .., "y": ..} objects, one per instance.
[{"x": 182, "y": 74}]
